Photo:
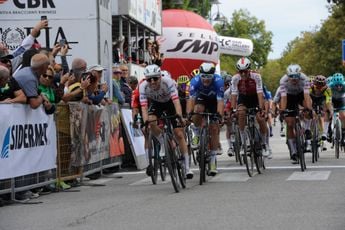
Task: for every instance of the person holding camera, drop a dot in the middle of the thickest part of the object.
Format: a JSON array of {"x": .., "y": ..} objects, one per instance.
[{"x": 96, "y": 91}]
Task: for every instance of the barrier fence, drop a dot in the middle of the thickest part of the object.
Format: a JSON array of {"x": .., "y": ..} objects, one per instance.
[{"x": 38, "y": 149}]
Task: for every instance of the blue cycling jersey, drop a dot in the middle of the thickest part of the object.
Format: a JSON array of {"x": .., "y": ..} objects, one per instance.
[
  {"x": 215, "y": 89},
  {"x": 336, "y": 91},
  {"x": 267, "y": 93}
]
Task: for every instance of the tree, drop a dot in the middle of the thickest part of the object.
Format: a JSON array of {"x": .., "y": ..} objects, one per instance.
[{"x": 243, "y": 25}]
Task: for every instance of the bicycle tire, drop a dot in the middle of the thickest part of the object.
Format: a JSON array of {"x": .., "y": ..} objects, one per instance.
[
  {"x": 189, "y": 145},
  {"x": 299, "y": 147},
  {"x": 258, "y": 159},
  {"x": 237, "y": 146},
  {"x": 337, "y": 138},
  {"x": 178, "y": 159},
  {"x": 248, "y": 158},
  {"x": 152, "y": 160},
  {"x": 170, "y": 165},
  {"x": 202, "y": 156},
  {"x": 314, "y": 141}
]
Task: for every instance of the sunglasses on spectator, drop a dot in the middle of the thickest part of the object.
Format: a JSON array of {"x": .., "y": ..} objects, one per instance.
[
  {"x": 294, "y": 76},
  {"x": 152, "y": 78},
  {"x": 206, "y": 76},
  {"x": 47, "y": 76},
  {"x": 5, "y": 61}
]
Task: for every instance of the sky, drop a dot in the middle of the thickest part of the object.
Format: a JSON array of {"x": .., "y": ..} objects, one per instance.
[{"x": 286, "y": 19}]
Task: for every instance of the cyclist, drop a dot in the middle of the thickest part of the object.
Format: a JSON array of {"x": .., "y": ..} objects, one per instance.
[
  {"x": 246, "y": 93},
  {"x": 337, "y": 85},
  {"x": 321, "y": 96},
  {"x": 227, "y": 113},
  {"x": 294, "y": 89},
  {"x": 207, "y": 93},
  {"x": 275, "y": 110},
  {"x": 268, "y": 111},
  {"x": 183, "y": 92},
  {"x": 163, "y": 96},
  {"x": 194, "y": 73}
]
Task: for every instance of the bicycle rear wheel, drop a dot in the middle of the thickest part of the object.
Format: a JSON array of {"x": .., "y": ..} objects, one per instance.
[
  {"x": 315, "y": 141},
  {"x": 237, "y": 146},
  {"x": 248, "y": 156},
  {"x": 189, "y": 145},
  {"x": 169, "y": 159},
  {"x": 337, "y": 133},
  {"x": 153, "y": 161},
  {"x": 202, "y": 155},
  {"x": 300, "y": 147}
]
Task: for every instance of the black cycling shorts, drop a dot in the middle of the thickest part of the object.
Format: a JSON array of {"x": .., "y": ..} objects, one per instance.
[{"x": 157, "y": 108}]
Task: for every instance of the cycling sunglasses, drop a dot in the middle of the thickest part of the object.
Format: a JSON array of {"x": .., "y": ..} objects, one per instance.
[
  {"x": 206, "y": 76},
  {"x": 152, "y": 78},
  {"x": 294, "y": 76}
]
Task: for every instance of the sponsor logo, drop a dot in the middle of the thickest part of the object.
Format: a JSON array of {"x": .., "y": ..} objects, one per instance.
[
  {"x": 5, "y": 145},
  {"x": 24, "y": 136},
  {"x": 12, "y": 37},
  {"x": 195, "y": 46},
  {"x": 22, "y": 4}
]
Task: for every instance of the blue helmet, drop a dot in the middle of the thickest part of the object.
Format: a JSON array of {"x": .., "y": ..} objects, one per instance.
[{"x": 337, "y": 78}]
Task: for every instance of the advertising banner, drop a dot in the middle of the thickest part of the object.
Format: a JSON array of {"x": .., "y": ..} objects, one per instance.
[
  {"x": 28, "y": 141},
  {"x": 235, "y": 46}
]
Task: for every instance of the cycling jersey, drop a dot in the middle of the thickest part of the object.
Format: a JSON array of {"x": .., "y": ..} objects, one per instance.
[
  {"x": 135, "y": 103},
  {"x": 287, "y": 87},
  {"x": 183, "y": 90},
  {"x": 247, "y": 86},
  {"x": 214, "y": 90},
  {"x": 320, "y": 95},
  {"x": 167, "y": 91},
  {"x": 335, "y": 92}
]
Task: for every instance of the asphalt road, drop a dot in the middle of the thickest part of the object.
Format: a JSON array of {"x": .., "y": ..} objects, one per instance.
[{"x": 281, "y": 198}]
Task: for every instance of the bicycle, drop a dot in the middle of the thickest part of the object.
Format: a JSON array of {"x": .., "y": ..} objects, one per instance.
[
  {"x": 235, "y": 139},
  {"x": 173, "y": 156},
  {"x": 204, "y": 153},
  {"x": 252, "y": 135},
  {"x": 315, "y": 130},
  {"x": 300, "y": 139},
  {"x": 191, "y": 150},
  {"x": 336, "y": 131}
]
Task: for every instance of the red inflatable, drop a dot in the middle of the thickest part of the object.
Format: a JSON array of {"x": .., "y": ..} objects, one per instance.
[{"x": 187, "y": 41}]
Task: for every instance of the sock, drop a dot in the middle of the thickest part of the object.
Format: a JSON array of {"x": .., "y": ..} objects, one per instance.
[
  {"x": 186, "y": 162},
  {"x": 291, "y": 143},
  {"x": 147, "y": 153},
  {"x": 242, "y": 134},
  {"x": 229, "y": 143},
  {"x": 270, "y": 130},
  {"x": 213, "y": 156},
  {"x": 307, "y": 123},
  {"x": 325, "y": 127}
]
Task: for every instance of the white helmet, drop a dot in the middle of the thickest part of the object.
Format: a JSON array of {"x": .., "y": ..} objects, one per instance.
[
  {"x": 165, "y": 74},
  {"x": 293, "y": 70},
  {"x": 243, "y": 64},
  {"x": 152, "y": 71}
]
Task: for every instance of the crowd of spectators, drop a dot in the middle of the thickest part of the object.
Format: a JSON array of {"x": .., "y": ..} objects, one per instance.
[{"x": 36, "y": 76}]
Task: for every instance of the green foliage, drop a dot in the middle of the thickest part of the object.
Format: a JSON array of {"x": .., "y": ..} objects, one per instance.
[{"x": 243, "y": 25}]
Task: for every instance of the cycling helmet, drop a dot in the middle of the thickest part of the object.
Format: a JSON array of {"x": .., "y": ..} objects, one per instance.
[
  {"x": 207, "y": 70},
  {"x": 182, "y": 79},
  {"x": 165, "y": 74},
  {"x": 319, "y": 80},
  {"x": 152, "y": 71},
  {"x": 195, "y": 72},
  {"x": 243, "y": 64},
  {"x": 294, "y": 71},
  {"x": 337, "y": 78},
  {"x": 227, "y": 80}
]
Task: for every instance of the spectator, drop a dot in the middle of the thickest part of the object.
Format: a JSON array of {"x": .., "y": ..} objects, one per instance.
[
  {"x": 144, "y": 52},
  {"x": 10, "y": 92},
  {"x": 132, "y": 82},
  {"x": 28, "y": 80},
  {"x": 46, "y": 86},
  {"x": 117, "y": 95},
  {"x": 157, "y": 57},
  {"x": 5, "y": 60},
  {"x": 124, "y": 87},
  {"x": 75, "y": 84},
  {"x": 96, "y": 91}
]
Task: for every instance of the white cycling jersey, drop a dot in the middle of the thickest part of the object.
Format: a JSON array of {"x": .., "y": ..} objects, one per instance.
[
  {"x": 227, "y": 95},
  {"x": 287, "y": 87},
  {"x": 277, "y": 96},
  {"x": 167, "y": 91}
]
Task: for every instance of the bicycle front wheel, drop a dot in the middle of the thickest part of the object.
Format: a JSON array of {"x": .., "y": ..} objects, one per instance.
[
  {"x": 153, "y": 161},
  {"x": 337, "y": 134},
  {"x": 315, "y": 141},
  {"x": 248, "y": 157},
  {"x": 169, "y": 160},
  {"x": 202, "y": 156},
  {"x": 300, "y": 147}
]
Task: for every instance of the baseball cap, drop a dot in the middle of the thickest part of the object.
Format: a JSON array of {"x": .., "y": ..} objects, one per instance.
[
  {"x": 4, "y": 54},
  {"x": 96, "y": 67}
]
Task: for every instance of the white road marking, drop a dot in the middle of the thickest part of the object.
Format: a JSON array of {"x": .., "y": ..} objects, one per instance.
[
  {"x": 230, "y": 177},
  {"x": 148, "y": 181},
  {"x": 309, "y": 176}
]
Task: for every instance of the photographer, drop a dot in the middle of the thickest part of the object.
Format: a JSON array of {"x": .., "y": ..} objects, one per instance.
[{"x": 96, "y": 91}]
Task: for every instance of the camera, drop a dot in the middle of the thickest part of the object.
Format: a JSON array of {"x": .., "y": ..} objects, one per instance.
[{"x": 43, "y": 17}]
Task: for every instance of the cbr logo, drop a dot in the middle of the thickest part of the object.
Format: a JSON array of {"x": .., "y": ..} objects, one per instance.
[
  {"x": 12, "y": 37},
  {"x": 33, "y": 3},
  {"x": 195, "y": 46}
]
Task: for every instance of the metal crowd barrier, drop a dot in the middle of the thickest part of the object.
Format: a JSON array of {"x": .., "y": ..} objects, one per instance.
[{"x": 73, "y": 149}]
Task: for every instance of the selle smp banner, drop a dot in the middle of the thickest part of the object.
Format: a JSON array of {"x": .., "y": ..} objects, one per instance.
[{"x": 27, "y": 141}]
